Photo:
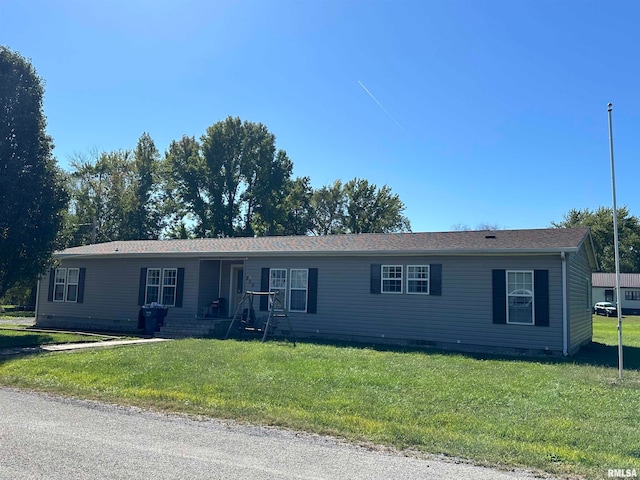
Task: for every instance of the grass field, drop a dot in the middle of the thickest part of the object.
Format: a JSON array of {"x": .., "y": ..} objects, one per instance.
[
  {"x": 563, "y": 416},
  {"x": 14, "y": 336},
  {"x": 18, "y": 314}
]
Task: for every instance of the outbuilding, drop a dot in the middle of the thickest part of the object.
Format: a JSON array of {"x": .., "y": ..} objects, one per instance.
[{"x": 604, "y": 290}]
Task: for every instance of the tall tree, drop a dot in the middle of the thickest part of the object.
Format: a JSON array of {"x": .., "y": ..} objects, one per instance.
[
  {"x": 32, "y": 193},
  {"x": 115, "y": 196},
  {"x": 357, "y": 207},
  {"x": 267, "y": 198},
  {"x": 191, "y": 192},
  {"x": 600, "y": 222},
  {"x": 297, "y": 206},
  {"x": 146, "y": 217},
  {"x": 234, "y": 182},
  {"x": 328, "y": 204},
  {"x": 100, "y": 197},
  {"x": 225, "y": 151},
  {"x": 373, "y": 210}
]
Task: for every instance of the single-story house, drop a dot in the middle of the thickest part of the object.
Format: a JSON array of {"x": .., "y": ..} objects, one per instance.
[
  {"x": 513, "y": 290},
  {"x": 604, "y": 290}
]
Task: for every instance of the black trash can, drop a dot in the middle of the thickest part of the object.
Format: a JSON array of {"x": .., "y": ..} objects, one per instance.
[{"x": 153, "y": 318}]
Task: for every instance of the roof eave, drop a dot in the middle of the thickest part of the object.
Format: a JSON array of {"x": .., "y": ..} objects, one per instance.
[{"x": 300, "y": 253}]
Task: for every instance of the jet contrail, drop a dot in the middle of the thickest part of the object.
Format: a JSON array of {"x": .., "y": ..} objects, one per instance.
[{"x": 379, "y": 104}]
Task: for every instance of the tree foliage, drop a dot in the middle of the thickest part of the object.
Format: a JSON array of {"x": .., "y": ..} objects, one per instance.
[
  {"x": 190, "y": 194},
  {"x": 297, "y": 206},
  {"x": 115, "y": 196},
  {"x": 357, "y": 207},
  {"x": 32, "y": 194},
  {"x": 600, "y": 222},
  {"x": 328, "y": 204},
  {"x": 146, "y": 217},
  {"x": 233, "y": 181},
  {"x": 373, "y": 210},
  {"x": 461, "y": 227}
]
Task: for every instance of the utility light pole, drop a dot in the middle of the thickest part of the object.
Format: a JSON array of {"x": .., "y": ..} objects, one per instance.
[{"x": 617, "y": 250}]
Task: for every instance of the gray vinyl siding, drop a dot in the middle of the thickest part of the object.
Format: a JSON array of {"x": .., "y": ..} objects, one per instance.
[
  {"x": 579, "y": 305},
  {"x": 111, "y": 293},
  {"x": 462, "y": 315}
]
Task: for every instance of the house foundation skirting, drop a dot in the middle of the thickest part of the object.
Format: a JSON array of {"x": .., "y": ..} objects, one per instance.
[{"x": 88, "y": 324}]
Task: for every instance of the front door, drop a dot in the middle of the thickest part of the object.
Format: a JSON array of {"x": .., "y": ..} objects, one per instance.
[{"x": 237, "y": 287}]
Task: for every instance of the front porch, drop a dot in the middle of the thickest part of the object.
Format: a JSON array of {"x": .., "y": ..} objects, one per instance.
[{"x": 220, "y": 286}]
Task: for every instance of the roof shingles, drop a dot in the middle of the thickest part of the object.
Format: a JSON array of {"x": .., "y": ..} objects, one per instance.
[{"x": 540, "y": 240}]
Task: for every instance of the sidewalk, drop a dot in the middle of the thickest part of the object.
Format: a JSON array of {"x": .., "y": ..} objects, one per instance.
[
  {"x": 29, "y": 321},
  {"x": 107, "y": 343},
  {"x": 61, "y": 347}
]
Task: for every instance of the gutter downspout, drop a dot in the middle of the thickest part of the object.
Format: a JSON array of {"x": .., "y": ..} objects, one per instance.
[
  {"x": 37, "y": 299},
  {"x": 220, "y": 285},
  {"x": 565, "y": 320}
]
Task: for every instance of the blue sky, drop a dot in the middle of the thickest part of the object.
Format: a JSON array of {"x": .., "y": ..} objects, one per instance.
[{"x": 473, "y": 112}]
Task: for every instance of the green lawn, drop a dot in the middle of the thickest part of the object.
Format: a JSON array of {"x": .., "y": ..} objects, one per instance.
[
  {"x": 605, "y": 330},
  {"x": 14, "y": 336},
  {"x": 18, "y": 314},
  {"x": 568, "y": 417}
]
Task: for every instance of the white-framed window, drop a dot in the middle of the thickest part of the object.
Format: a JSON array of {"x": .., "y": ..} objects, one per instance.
[
  {"x": 632, "y": 295},
  {"x": 65, "y": 286},
  {"x": 161, "y": 286},
  {"x": 278, "y": 283},
  {"x": 418, "y": 279},
  {"x": 153, "y": 286},
  {"x": 391, "y": 278},
  {"x": 58, "y": 287},
  {"x": 520, "y": 296},
  {"x": 299, "y": 284},
  {"x": 169, "y": 285},
  {"x": 73, "y": 277}
]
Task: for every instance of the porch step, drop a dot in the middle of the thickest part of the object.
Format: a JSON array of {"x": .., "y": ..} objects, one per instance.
[{"x": 196, "y": 327}]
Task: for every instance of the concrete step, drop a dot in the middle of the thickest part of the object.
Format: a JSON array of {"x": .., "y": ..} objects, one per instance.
[{"x": 200, "y": 327}]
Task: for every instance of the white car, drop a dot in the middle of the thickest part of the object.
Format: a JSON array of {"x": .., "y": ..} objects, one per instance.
[{"x": 607, "y": 309}]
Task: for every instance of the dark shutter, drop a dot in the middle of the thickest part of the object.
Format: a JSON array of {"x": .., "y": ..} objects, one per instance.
[
  {"x": 499, "y": 296},
  {"x": 179, "y": 287},
  {"x": 312, "y": 291},
  {"x": 142, "y": 286},
  {"x": 264, "y": 287},
  {"x": 376, "y": 278},
  {"x": 52, "y": 279},
  {"x": 81, "y": 275},
  {"x": 541, "y": 300},
  {"x": 435, "y": 279}
]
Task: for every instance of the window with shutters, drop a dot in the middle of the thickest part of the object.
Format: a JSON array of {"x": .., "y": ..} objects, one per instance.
[
  {"x": 391, "y": 278},
  {"x": 520, "y": 297},
  {"x": 418, "y": 279},
  {"x": 278, "y": 284},
  {"x": 161, "y": 286},
  {"x": 65, "y": 287},
  {"x": 298, "y": 289}
]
